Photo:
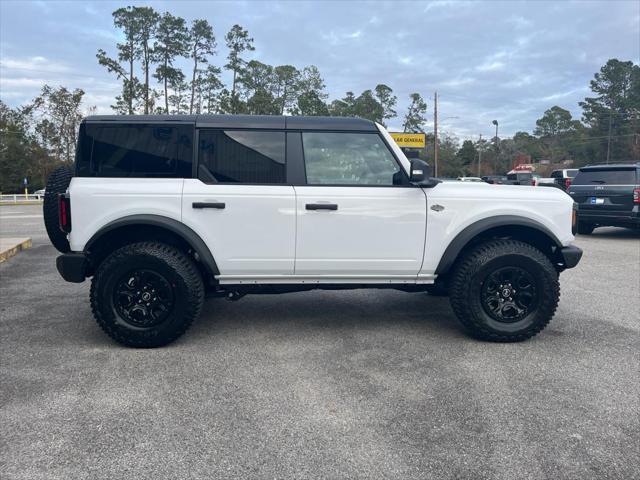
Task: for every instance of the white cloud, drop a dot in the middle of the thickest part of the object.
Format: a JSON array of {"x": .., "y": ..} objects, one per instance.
[
  {"x": 342, "y": 38},
  {"x": 519, "y": 81},
  {"x": 490, "y": 66},
  {"x": 458, "y": 82},
  {"x": 446, "y": 4},
  {"x": 519, "y": 21},
  {"x": 36, "y": 64},
  {"x": 565, "y": 94}
]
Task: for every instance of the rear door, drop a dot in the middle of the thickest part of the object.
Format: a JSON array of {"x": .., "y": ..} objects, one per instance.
[
  {"x": 358, "y": 217},
  {"x": 240, "y": 202},
  {"x": 606, "y": 191}
]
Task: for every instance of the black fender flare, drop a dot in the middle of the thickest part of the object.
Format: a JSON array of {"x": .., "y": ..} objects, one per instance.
[
  {"x": 174, "y": 226},
  {"x": 477, "y": 228}
]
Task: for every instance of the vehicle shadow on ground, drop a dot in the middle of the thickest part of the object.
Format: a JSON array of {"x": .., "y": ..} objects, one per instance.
[
  {"x": 613, "y": 232},
  {"x": 321, "y": 310}
]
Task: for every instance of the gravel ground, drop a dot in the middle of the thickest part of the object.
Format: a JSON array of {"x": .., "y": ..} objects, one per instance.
[{"x": 360, "y": 384}]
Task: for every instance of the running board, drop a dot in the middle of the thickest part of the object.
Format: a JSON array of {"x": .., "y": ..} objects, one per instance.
[{"x": 422, "y": 279}]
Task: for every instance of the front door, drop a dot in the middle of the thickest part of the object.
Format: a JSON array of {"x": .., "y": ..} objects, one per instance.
[{"x": 357, "y": 215}]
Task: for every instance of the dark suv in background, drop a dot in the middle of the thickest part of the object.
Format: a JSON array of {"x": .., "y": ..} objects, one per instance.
[{"x": 607, "y": 195}]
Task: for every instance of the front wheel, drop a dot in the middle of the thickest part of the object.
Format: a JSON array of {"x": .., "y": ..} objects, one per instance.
[
  {"x": 146, "y": 294},
  {"x": 504, "y": 291}
]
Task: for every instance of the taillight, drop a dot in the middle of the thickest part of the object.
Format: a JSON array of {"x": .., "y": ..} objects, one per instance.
[
  {"x": 567, "y": 183},
  {"x": 64, "y": 213},
  {"x": 636, "y": 195},
  {"x": 533, "y": 182}
]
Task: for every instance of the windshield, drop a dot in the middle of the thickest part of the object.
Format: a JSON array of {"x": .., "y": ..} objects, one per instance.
[{"x": 606, "y": 177}]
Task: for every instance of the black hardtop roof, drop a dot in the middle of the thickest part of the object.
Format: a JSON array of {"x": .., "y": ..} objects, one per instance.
[
  {"x": 279, "y": 122},
  {"x": 611, "y": 166}
]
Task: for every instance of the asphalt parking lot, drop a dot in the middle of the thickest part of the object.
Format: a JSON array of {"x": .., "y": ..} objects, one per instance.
[{"x": 361, "y": 384}]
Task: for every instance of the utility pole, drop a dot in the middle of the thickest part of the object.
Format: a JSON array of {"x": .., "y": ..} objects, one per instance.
[
  {"x": 479, "y": 153},
  {"x": 435, "y": 133},
  {"x": 609, "y": 139},
  {"x": 497, "y": 162}
]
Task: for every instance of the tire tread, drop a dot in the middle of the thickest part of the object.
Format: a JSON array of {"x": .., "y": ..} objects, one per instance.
[
  {"x": 177, "y": 260},
  {"x": 473, "y": 261}
]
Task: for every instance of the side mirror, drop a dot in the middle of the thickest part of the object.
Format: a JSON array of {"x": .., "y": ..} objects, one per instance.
[{"x": 419, "y": 171}]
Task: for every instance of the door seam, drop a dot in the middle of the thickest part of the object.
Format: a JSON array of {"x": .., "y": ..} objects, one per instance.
[{"x": 295, "y": 238}]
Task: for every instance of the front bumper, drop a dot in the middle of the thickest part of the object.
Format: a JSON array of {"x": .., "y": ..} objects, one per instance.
[
  {"x": 72, "y": 267},
  {"x": 571, "y": 256}
]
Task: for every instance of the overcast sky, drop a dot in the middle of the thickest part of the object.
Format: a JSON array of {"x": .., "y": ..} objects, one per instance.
[{"x": 506, "y": 60}]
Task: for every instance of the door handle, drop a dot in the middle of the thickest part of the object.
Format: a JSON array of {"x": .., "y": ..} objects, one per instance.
[
  {"x": 218, "y": 205},
  {"x": 321, "y": 206}
]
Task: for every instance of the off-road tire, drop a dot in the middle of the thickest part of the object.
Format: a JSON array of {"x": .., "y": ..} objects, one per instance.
[
  {"x": 57, "y": 183},
  {"x": 175, "y": 266},
  {"x": 585, "y": 228},
  {"x": 474, "y": 268}
]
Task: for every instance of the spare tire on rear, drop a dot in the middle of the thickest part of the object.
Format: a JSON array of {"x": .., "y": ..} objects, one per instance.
[{"x": 57, "y": 183}]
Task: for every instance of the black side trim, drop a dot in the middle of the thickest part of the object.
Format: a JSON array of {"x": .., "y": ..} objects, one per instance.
[
  {"x": 188, "y": 235},
  {"x": 475, "y": 229},
  {"x": 571, "y": 255},
  {"x": 72, "y": 267}
]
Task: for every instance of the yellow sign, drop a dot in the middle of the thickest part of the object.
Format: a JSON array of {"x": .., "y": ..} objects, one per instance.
[{"x": 411, "y": 140}]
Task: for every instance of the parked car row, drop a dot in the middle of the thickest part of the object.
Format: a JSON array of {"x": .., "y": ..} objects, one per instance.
[{"x": 604, "y": 195}]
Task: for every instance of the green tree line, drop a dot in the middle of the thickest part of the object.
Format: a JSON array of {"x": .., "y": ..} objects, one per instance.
[{"x": 165, "y": 66}]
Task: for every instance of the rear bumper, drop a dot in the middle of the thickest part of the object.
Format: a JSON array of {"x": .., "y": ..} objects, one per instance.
[
  {"x": 612, "y": 218},
  {"x": 571, "y": 256},
  {"x": 72, "y": 267}
]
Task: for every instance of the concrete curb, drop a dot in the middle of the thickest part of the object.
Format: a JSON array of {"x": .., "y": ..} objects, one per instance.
[{"x": 11, "y": 246}]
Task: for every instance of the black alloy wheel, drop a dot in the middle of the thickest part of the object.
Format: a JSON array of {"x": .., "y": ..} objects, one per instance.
[
  {"x": 143, "y": 298},
  {"x": 509, "y": 294}
]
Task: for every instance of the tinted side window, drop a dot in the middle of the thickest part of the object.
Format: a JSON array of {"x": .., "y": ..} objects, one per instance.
[
  {"x": 348, "y": 159},
  {"x": 242, "y": 156},
  {"x": 134, "y": 150},
  {"x": 606, "y": 177}
]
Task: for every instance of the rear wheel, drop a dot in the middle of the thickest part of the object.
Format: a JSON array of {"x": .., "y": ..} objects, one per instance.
[
  {"x": 504, "y": 291},
  {"x": 57, "y": 183},
  {"x": 146, "y": 294}
]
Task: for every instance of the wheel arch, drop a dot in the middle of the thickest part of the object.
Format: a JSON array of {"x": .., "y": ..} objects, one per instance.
[
  {"x": 502, "y": 226},
  {"x": 135, "y": 228}
]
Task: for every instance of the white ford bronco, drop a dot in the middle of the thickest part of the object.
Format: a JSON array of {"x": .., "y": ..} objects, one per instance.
[{"x": 162, "y": 211}]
